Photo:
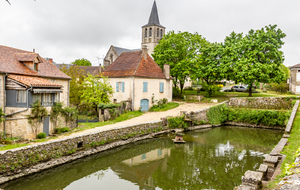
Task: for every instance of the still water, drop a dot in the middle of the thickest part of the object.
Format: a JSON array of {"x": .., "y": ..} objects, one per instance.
[{"x": 210, "y": 159}]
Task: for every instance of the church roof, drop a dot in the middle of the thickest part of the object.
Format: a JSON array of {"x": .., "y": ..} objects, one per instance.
[
  {"x": 120, "y": 50},
  {"x": 133, "y": 64},
  {"x": 153, "y": 19}
]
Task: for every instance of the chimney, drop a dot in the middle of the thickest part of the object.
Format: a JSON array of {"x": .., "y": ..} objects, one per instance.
[
  {"x": 145, "y": 51},
  {"x": 50, "y": 60},
  {"x": 167, "y": 71},
  {"x": 33, "y": 50}
]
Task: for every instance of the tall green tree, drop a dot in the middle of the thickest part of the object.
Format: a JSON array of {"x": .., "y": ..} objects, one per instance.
[
  {"x": 77, "y": 75},
  {"x": 179, "y": 51},
  {"x": 209, "y": 67},
  {"x": 255, "y": 56},
  {"x": 82, "y": 62},
  {"x": 96, "y": 91}
]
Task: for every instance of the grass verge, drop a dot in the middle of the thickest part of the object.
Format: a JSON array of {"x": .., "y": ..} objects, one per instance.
[
  {"x": 289, "y": 151},
  {"x": 164, "y": 107},
  {"x": 123, "y": 117}
]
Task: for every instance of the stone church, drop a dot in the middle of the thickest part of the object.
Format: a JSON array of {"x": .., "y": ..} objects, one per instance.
[{"x": 151, "y": 34}]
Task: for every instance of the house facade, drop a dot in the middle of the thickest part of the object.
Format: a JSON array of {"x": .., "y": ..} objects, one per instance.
[
  {"x": 136, "y": 78},
  {"x": 26, "y": 77},
  {"x": 294, "y": 81}
]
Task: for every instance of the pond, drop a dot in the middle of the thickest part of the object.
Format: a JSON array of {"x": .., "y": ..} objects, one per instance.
[{"x": 210, "y": 159}]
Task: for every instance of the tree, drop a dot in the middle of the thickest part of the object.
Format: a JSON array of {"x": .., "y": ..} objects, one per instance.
[
  {"x": 209, "y": 67},
  {"x": 38, "y": 112},
  {"x": 178, "y": 50},
  {"x": 95, "y": 91},
  {"x": 77, "y": 76},
  {"x": 255, "y": 56},
  {"x": 82, "y": 62}
]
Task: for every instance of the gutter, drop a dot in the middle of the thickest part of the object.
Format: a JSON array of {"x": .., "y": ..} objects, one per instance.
[{"x": 4, "y": 101}]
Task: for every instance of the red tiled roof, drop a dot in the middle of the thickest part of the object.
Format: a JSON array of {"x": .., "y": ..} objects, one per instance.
[
  {"x": 26, "y": 56},
  {"x": 10, "y": 63},
  {"x": 93, "y": 70},
  {"x": 133, "y": 64},
  {"x": 33, "y": 81}
]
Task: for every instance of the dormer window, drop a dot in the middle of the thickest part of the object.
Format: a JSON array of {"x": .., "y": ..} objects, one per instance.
[{"x": 31, "y": 60}]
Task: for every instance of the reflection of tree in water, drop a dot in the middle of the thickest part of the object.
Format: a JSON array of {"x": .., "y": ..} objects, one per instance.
[{"x": 100, "y": 174}]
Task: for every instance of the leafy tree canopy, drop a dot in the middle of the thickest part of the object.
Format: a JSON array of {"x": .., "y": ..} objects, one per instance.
[
  {"x": 77, "y": 75},
  {"x": 178, "y": 50},
  {"x": 96, "y": 91},
  {"x": 82, "y": 62},
  {"x": 255, "y": 56}
]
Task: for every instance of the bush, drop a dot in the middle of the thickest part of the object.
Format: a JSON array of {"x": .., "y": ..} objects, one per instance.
[
  {"x": 280, "y": 88},
  {"x": 177, "y": 122},
  {"x": 211, "y": 89},
  {"x": 41, "y": 136},
  {"x": 217, "y": 114},
  {"x": 62, "y": 130},
  {"x": 258, "y": 117}
]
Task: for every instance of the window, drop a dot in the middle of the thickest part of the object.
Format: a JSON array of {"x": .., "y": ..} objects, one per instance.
[
  {"x": 150, "y": 32},
  {"x": 120, "y": 86},
  {"x": 158, "y": 32},
  {"x": 47, "y": 100},
  {"x": 21, "y": 96},
  {"x": 36, "y": 97},
  {"x": 145, "y": 86},
  {"x": 161, "y": 87},
  {"x": 161, "y": 33},
  {"x": 146, "y": 31},
  {"x": 144, "y": 156},
  {"x": 35, "y": 66}
]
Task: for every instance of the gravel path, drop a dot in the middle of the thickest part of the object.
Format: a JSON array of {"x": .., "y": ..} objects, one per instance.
[{"x": 145, "y": 118}]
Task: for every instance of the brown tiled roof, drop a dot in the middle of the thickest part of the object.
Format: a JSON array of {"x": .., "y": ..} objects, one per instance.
[
  {"x": 26, "y": 56},
  {"x": 10, "y": 63},
  {"x": 133, "y": 64},
  {"x": 295, "y": 66},
  {"x": 33, "y": 81},
  {"x": 93, "y": 70}
]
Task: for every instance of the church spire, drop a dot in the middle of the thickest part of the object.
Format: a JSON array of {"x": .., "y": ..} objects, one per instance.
[{"x": 153, "y": 19}]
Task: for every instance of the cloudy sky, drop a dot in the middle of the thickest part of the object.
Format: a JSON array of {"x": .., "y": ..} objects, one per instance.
[{"x": 66, "y": 30}]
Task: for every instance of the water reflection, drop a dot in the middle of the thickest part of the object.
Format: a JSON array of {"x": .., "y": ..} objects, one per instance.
[{"x": 210, "y": 159}]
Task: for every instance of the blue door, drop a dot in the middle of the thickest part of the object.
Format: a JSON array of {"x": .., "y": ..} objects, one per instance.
[
  {"x": 144, "y": 105},
  {"x": 46, "y": 125}
]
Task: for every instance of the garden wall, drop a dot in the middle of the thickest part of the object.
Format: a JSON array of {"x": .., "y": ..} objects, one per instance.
[
  {"x": 262, "y": 102},
  {"x": 19, "y": 162}
]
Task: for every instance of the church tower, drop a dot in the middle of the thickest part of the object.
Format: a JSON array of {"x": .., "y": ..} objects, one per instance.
[{"x": 153, "y": 31}]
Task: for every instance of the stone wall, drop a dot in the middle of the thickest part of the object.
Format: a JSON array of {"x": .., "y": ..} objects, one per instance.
[
  {"x": 262, "y": 102},
  {"x": 23, "y": 161}
]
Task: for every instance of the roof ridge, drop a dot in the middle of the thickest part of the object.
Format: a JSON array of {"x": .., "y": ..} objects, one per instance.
[{"x": 141, "y": 59}]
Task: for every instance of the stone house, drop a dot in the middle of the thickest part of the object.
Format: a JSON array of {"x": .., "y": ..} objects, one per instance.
[
  {"x": 294, "y": 81},
  {"x": 26, "y": 77},
  {"x": 135, "y": 77}
]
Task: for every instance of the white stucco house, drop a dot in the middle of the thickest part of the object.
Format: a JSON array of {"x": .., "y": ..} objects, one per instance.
[{"x": 135, "y": 77}]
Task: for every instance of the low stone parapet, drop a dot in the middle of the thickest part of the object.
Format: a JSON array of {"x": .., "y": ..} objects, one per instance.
[{"x": 252, "y": 179}]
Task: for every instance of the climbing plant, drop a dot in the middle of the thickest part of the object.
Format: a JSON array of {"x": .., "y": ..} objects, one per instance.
[
  {"x": 56, "y": 110},
  {"x": 38, "y": 112}
]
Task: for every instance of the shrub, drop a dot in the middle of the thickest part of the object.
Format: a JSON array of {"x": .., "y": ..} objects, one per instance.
[
  {"x": 210, "y": 89},
  {"x": 41, "y": 136},
  {"x": 217, "y": 114},
  {"x": 280, "y": 88},
  {"x": 62, "y": 130},
  {"x": 177, "y": 122}
]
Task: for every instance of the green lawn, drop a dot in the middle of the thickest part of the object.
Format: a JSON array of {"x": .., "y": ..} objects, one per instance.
[
  {"x": 164, "y": 107},
  {"x": 289, "y": 150}
]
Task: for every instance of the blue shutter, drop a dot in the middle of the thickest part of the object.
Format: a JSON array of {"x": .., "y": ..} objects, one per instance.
[
  {"x": 145, "y": 86},
  {"x": 161, "y": 87},
  {"x": 117, "y": 87},
  {"x": 123, "y": 86}
]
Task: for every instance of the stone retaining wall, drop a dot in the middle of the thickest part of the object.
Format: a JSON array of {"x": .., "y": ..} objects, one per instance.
[
  {"x": 262, "y": 102},
  {"x": 23, "y": 161}
]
